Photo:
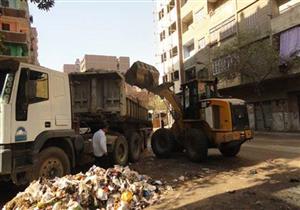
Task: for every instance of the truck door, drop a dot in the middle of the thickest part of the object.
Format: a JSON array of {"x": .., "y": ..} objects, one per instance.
[{"x": 32, "y": 106}]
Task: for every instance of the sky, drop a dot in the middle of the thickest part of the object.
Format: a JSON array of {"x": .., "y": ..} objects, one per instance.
[{"x": 106, "y": 27}]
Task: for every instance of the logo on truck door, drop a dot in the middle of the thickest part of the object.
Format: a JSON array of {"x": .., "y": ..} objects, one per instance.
[{"x": 21, "y": 134}]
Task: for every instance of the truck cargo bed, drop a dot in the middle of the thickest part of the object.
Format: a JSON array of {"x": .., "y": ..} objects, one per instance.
[{"x": 102, "y": 94}]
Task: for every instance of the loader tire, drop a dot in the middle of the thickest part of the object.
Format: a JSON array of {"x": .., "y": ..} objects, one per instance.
[
  {"x": 120, "y": 151},
  {"x": 162, "y": 143},
  {"x": 196, "y": 145},
  {"x": 52, "y": 162},
  {"x": 135, "y": 147},
  {"x": 228, "y": 150}
]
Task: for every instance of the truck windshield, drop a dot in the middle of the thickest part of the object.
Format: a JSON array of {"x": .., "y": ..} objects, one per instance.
[{"x": 6, "y": 84}]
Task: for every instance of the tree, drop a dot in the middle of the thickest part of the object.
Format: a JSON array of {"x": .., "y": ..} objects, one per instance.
[
  {"x": 253, "y": 61},
  {"x": 43, "y": 4}
]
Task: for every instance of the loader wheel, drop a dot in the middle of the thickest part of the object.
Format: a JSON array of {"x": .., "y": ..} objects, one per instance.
[
  {"x": 196, "y": 145},
  {"x": 52, "y": 162},
  {"x": 162, "y": 143},
  {"x": 228, "y": 150},
  {"x": 120, "y": 151},
  {"x": 135, "y": 147}
]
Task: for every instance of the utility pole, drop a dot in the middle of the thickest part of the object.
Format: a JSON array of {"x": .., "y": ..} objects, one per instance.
[{"x": 180, "y": 50}]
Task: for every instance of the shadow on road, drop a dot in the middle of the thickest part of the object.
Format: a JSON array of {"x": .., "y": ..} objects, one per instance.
[{"x": 269, "y": 195}]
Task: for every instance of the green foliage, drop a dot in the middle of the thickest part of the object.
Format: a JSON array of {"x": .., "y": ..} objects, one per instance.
[
  {"x": 43, "y": 4},
  {"x": 254, "y": 61}
]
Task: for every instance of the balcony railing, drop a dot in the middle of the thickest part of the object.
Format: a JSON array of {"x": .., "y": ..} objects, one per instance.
[
  {"x": 12, "y": 12},
  {"x": 14, "y": 37},
  {"x": 286, "y": 20}
]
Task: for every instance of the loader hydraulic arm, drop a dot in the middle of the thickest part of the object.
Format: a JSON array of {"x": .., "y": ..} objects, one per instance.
[
  {"x": 164, "y": 91},
  {"x": 146, "y": 77}
]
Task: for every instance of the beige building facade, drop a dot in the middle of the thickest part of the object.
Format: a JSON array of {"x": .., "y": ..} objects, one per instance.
[
  {"x": 103, "y": 62},
  {"x": 99, "y": 62},
  {"x": 207, "y": 26}
]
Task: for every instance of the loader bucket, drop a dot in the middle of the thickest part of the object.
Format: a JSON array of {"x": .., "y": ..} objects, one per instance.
[{"x": 142, "y": 75}]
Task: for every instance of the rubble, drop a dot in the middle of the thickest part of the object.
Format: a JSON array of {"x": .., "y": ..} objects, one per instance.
[{"x": 117, "y": 188}]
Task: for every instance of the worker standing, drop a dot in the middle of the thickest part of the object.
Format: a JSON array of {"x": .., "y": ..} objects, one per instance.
[{"x": 100, "y": 146}]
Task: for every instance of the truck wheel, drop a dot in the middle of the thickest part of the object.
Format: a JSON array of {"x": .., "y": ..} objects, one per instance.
[
  {"x": 120, "y": 152},
  {"x": 52, "y": 162},
  {"x": 196, "y": 145},
  {"x": 228, "y": 150},
  {"x": 135, "y": 146},
  {"x": 162, "y": 143}
]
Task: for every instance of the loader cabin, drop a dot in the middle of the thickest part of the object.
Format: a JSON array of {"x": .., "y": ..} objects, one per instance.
[
  {"x": 202, "y": 101},
  {"x": 193, "y": 92}
]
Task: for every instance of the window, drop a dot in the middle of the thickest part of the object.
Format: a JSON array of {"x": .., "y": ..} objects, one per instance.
[
  {"x": 6, "y": 51},
  {"x": 222, "y": 64},
  {"x": 190, "y": 74},
  {"x": 163, "y": 57},
  {"x": 175, "y": 76},
  {"x": 165, "y": 78},
  {"x": 201, "y": 43},
  {"x": 4, "y": 3},
  {"x": 22, "y": 103},
  {"x": 173, "y": 52},
  {"x": 188, "y": 48},
  {"x": 222, "y": 31},
  {"x": 38, "y": 83},
  {"x": 171, "y": 5},
  {"x": 183, "y": 2},
  {"x": 200, "y": 15},
  {"x": 187, "y": 21},
  {"x": 162, "y": 35},
  {"x": 172, "y": 28},
  {"x": 5, "y": 27},
  {"x": 161, "y": 14},
  {"x": 32, "y": 88}
]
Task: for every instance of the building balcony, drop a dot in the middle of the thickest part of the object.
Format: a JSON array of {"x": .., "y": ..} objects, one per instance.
[
  {"x": 188, "y": 35},
  {"x": 287, "y": 19},
  {"x": 14, "y": 37},
  {"x": 24, "y": 59},
  {"x": 13, "y": 12}
]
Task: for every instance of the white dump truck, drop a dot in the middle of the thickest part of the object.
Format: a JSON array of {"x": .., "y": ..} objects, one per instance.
[{"x": 47, "y": 119}]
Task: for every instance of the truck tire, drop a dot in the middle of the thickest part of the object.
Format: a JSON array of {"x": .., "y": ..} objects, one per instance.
[
  {"x": 52, "y": 162},
  {"x": 196, "y": 145},
  {"x": 120, "y": 151},
  {"x": 135, "y": 147},
  {"x": 228, "y": 150},
  {"x": 162, "y": 143}
]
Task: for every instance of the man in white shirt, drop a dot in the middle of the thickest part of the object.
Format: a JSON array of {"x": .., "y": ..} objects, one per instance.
[{"x": 100, "y": 146}]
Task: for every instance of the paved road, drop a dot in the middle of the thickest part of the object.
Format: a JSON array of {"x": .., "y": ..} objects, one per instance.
[{"x": 265, "y": 175}]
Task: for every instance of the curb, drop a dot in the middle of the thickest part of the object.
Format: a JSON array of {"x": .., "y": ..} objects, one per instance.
[{"x": 276, "y": 133}]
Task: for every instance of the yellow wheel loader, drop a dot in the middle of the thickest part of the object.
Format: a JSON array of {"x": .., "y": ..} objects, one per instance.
[{"x": 203, "y": 118}]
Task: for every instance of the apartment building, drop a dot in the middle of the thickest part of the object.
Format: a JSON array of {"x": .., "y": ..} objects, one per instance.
[
  {"x": 69, "y": 68},
  {"x": 34, "y": 46},
  {"x": 104, "y": 62},
  {"x": 99, "y": 62},
  {"x": 16, "y": 32},
  {"x": 166, "y": 17},
  {"x": 209, "y": 25}
]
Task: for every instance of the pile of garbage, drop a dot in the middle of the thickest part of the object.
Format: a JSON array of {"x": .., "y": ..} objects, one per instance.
[{"x": 117, "y": 188}]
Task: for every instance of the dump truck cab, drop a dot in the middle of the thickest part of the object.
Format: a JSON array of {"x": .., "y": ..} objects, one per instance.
[{"x": 48, "y": 118}]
